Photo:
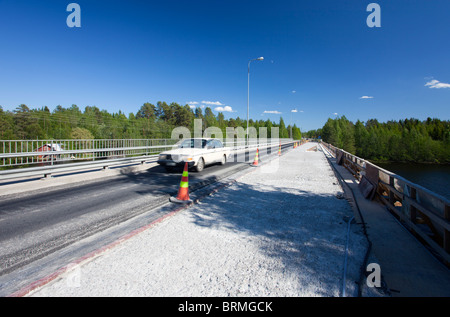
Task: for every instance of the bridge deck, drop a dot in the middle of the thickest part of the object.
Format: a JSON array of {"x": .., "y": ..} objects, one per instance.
[{"x": 280, "y": 230}]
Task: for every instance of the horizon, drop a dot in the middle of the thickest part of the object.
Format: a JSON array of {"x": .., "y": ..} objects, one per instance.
[
  {"x": 321, "y": 60},
  {"x": 276, "y": 122}
]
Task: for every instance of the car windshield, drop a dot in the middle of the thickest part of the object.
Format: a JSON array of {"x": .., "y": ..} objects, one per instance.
[{"x": 193, "y": 143}]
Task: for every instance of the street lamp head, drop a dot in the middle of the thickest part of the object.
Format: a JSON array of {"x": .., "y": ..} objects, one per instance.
[{"x": 260, "y": 58}]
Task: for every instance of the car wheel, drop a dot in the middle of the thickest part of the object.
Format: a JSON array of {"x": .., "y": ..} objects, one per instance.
[
  {"x": 200, "y": 165},
  {"x": 224, "y": 160}
]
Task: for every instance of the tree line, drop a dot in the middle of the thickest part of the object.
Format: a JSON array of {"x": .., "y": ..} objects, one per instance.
[
  {"x": 409, "y": 140},
  {"x": 149, "y": 122}
]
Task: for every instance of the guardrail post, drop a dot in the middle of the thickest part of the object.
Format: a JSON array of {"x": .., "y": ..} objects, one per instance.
[
  {"x": 51, "y": 155},
  {"x": 447, "y": 232},
  {"x": 412, "y": 209},
  {"x": 391, "y": 192}
]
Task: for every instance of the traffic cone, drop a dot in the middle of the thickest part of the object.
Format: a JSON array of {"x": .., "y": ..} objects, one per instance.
[
  {"x": 279, "y": 150},
  {"x": 255, "y": 161},
  {"x": 183, "y": 191}
]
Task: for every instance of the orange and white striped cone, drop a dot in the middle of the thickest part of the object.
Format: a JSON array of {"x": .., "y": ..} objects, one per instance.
[
  {"x": 255, "y": 161},
  {"x": 279, "y": 150},
  {"x": 183, "y": 191}
]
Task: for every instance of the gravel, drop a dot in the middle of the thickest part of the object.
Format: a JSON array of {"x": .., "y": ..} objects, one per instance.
[{"x": 280, "y": 230}]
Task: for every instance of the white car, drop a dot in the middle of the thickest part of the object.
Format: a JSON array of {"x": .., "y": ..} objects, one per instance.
[{"x": 197, "y": 152}]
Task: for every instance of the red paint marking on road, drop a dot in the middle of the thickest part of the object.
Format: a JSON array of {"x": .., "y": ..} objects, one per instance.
[{"x": 41, "y": 282}]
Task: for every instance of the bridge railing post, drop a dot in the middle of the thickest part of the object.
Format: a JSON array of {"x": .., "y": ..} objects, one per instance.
[{"x": 447, "y": 231}]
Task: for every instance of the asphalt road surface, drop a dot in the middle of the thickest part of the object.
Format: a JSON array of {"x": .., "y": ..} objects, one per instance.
[{"x": 36, "y": 224}]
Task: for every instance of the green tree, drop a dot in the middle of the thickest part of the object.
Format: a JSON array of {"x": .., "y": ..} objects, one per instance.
[
  {"x": 26, "y": 124},
  {"x": 210, "y": 118},
  {"x": 347, "y": 136},
  {"x": 81, "y": 134},
  {"x": 184, "y": 116},
  {"x": 6, "y": 125},
  {"x": 147, "y": 111},
  {"x": 284, "y": 133},
  {"x": 297, "y": 134},
  {"x": 330, "y": 133}
]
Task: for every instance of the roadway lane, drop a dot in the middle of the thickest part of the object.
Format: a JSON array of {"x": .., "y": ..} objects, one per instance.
[{"x": 39, "y": 223}]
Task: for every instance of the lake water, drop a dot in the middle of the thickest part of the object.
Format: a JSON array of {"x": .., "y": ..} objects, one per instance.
[{"x": 431, "y": 176}]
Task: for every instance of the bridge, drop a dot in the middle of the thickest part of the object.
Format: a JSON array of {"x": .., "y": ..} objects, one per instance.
[{"x": 95, "y": 219}]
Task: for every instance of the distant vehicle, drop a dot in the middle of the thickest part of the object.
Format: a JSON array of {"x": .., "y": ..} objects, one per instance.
[{"x": 197, "y": 152}]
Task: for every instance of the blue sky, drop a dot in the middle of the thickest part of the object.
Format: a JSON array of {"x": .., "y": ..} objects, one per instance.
[{"x": 320, "y": 57}]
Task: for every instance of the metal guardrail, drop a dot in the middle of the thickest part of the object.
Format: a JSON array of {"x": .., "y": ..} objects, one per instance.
[
  {"x": 15, "y": 153},
  {"x": 425, "y": 213},
  {"x": 44, "y": 158}
]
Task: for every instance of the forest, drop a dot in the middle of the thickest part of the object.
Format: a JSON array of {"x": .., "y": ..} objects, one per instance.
[
  {"x": 408, "y": 140},
  {"x": 149, "y": 122}
]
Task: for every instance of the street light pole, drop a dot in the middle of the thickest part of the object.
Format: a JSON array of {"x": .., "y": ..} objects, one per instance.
[{"x": 248, "y": 89}]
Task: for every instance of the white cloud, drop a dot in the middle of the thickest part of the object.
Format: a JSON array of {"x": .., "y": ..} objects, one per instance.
[
  {"x": 294, "y": 110},
  {"x": 192, "y": 103},
  {"x": 366, "y": 97},
  {"x": 437, "y": 84},
  {"x": 213, "y": 103},
  {"x": 224, "y": 109},
  {"x": 293, "y": 91},
  {"x": 335, "y": 113},
  {"x": 272, "y": 111}
]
